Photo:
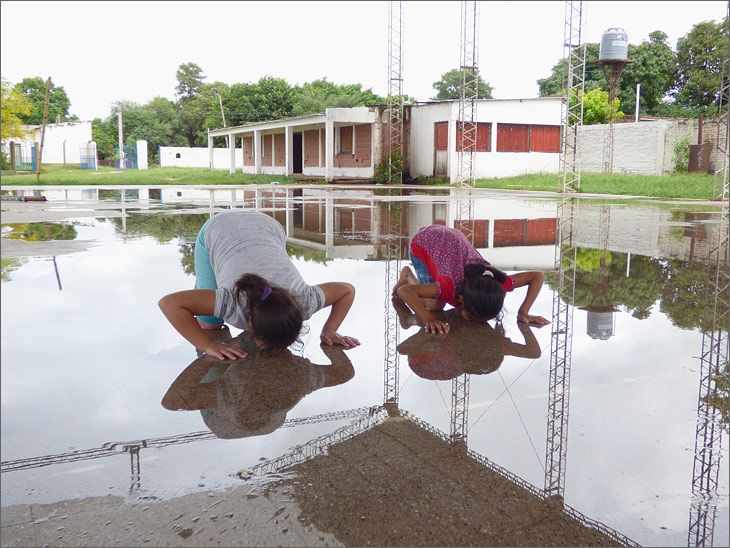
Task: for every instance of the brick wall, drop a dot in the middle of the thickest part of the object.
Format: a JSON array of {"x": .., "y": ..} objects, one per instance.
[
  {"x": 280, "y": 150},
  {"x": 311, "y": 148},
  {"x": 266, "y": 158},
  {"x": 248, "y": 151},
  {"x": 360, "y": 157},
  {"x": 644, "y": 148}
]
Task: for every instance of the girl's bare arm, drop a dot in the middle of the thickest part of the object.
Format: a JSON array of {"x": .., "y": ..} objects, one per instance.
[
  {"x": 339, "y": 295},
  {"x": 412, "y": 295},
  {"x": 181, "y": 308},
  {"x": 533, "y": 280}
]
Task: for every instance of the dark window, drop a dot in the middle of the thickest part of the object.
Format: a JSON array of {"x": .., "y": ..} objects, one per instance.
[{"x": 177, "y": 155}]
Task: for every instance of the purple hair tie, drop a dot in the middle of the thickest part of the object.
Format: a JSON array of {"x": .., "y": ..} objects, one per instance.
[{"x": 265, "y": 292}]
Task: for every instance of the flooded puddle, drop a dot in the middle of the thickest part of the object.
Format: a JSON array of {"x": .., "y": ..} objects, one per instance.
[{"x": 608, "y": 426}]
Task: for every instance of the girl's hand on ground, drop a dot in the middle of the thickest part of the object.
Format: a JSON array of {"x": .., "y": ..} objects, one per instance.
[
  {"x": 224, "y": 351},
  {"x": 331, "y": 338},
  {"x": 437, "y": 326},
  {"x": 537, "y": 321}
]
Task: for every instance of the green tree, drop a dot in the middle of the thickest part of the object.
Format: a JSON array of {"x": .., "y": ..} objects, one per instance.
[
  {"x": 192, "y": 111},
  {"x": 449, "y": 86},
  {"x": 654, "y": 66},
  {"x": 699, "y": 60},
  {"x": 41, "y": 232},
  {"x": 7, "y": 265},
  {"x": 104, "y": 134},
  {"x": 237, "y": 104},
  {"x": 34, "y": 90},
  {"x": 595, "y": 108},
  {"x": 271, "y": 99},
  {"x": 555, "y": 83},
  {"x": 14, "y": 107},
  {"x": 189, "y": 81},
  {"x": 318, "y": 95}
]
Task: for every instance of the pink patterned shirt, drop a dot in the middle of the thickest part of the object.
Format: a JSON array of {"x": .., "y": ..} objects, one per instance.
[{"x": 445, "y": 252}]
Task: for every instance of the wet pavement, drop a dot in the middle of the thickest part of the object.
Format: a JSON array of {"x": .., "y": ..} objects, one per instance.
[{"x": 606, "y": 427}]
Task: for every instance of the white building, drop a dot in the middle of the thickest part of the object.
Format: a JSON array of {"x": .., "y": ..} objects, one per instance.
[
  {"x": 62, "y": 142},
  {"x": 515, "y": 136}
]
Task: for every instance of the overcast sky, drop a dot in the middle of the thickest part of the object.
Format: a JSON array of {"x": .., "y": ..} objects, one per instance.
[{"x": 101, "y": 52}]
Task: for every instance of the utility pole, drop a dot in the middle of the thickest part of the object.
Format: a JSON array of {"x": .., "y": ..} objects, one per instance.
[
  {"x": 223, "y": 115},
  {"x": 43, "y": 132},
  {"x": 121, "y": 137}
]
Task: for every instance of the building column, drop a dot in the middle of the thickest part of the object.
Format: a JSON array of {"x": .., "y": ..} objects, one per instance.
[
  {"x": 211, "y": 162},
  {"x": 329, "y": 223},
  {"x": 289, "y": 148},
  {"x": 257, "y": 151},
  {"x": 232, "y": 152},
  {"x": 329, "y": 149},
  {"x": 289, "y": 211}
]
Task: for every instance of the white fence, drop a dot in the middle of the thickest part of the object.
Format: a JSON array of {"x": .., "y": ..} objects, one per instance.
[{"x": 198, "y": 157}]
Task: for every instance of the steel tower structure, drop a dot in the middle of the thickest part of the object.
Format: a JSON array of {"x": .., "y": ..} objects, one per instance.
[
  {"x": 466, "y": 125},
  {"x": 394, "y": 112},
  {"x": 391, "y": 223},
  {"x": 565, "y": 253},
  {"x": 466, "y": 145},
  {"x": 713, "y": 360},
  {"x": 722, "y": 184},
  {"x": 574, "y": 57}
]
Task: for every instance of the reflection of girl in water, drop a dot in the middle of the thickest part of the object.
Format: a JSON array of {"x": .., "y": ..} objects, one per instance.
[
  {"x": 470, "y": 347},
  {"x": 252, "y": 396}
]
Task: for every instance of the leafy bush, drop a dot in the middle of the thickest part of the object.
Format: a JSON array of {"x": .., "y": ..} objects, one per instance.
[
  {"x": 681, "y": 156},
  {"x": 4, "y": 161},
  {"x": 381, "y": 170}
]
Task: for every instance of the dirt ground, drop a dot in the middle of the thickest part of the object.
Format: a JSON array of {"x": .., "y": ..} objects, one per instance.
[{"x": 393, "y": 485}]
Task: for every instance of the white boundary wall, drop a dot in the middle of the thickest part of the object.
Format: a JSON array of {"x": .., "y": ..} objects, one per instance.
[
  {"x": 645, "y": 147},
  {"x": 62, "y": 142},
  {"x": 198, "y": 157}
]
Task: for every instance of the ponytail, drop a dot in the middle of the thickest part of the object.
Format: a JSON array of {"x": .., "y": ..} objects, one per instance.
[
  {"x": 483, "y": 294},
  {"x": 275, "y": 317},
  {"x": 473, "y": 270}
]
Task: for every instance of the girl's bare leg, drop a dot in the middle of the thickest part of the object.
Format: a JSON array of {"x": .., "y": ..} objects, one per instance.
[{"x": 407, "y": 277}]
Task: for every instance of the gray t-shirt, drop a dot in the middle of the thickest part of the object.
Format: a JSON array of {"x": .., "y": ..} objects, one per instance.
[{"x": 248, "y": 242}]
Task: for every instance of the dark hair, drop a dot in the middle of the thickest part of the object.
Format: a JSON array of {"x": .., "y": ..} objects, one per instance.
[
  {"x": 276, "y": 320},
  {"x": 483, "y": 294}
]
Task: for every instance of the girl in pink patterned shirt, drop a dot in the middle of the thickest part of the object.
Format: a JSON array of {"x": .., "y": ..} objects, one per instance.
[{"x": 450, "y": 270}]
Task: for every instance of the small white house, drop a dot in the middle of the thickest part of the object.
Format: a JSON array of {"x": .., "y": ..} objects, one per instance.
[
  {"x": 514, "y": 137},
  {"x": 62, "y": 142}
]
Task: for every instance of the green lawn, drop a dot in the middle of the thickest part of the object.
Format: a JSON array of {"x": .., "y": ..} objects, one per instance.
[
  {"x": 678, "y": 185},
  {"x": 72, "y": 175},
  {"x": 683, "y": 185}
]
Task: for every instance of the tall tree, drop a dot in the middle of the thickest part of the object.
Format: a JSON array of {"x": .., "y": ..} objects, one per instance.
[
  {"x": 271, "y": 98},
  {"x": 654, "y": 66},
  {"x": 699, "y": 58},
  {"x": 34, "y": 90},
  {"x": 189, "y": 81},
  {"x": 14, "y": 107},
  {"x": 317, "y": 95},
  {"x": 449, "y": 86},
  {"x": 594, "y": 79}
]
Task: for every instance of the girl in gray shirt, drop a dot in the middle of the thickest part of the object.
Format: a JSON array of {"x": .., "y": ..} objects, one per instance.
[{"x": 245, "y": 277}]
